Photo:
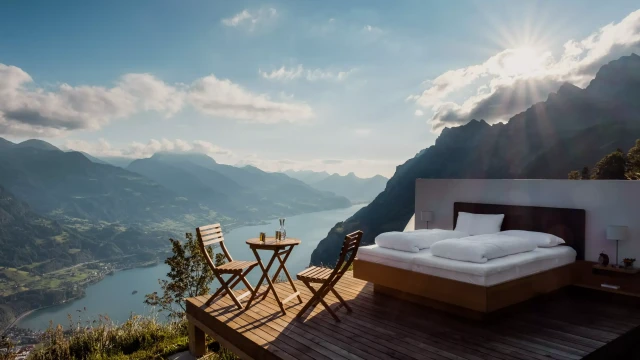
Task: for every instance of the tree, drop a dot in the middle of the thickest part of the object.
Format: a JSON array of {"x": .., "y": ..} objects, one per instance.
[
  {"x": 633, "y": 162},
  {"x": 189, "y": 276},
  {"x": 585, "y": 175},
  {"x": 611, "y": 167},
  {"x": 574, "y": 175}
]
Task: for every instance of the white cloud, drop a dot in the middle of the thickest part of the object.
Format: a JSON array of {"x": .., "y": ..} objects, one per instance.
[
  {"x": 27, "y": 110},
  {"x": 250, "y": 19},
  {"x": 299, "y": 72},
  {"x": 362, "y": 132},
  {"x": 361, "y": 167},
  {"x": 153, "y": 94},
  {"x": 514, "y": 79},
  {"x": 223, "y": 98},
  {"x": 419, "y": 112},
  {"x": 138, "y": 150},
  {"x": 372, "y": 29},
  {"x": 283, "y": 73}
]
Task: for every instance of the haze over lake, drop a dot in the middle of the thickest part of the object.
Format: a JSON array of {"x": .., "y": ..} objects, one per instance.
[{"x": 113, "y": 295}]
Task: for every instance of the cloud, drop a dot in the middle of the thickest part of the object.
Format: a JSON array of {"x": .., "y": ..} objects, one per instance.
[
  {"x": 138, "y": 150},
  {"x": 514, "y": 79},
  {"x": 153, "y": 94},
  {"x": 250, "y": 19},
  {"x": 419, "y": 112},
  {"x": 502, "y": 103},
  {"x": 372, "y": 29},
  {"x": 223, "y": 98},
  {"x": 28, "y": 110},
  {"x": 299, "y": 72},
  {"x": 362, "y": 132},
  {"x": 362, "y": 167}
]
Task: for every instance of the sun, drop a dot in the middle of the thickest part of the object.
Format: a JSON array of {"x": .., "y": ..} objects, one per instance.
[{"x": 522, "y": 61}]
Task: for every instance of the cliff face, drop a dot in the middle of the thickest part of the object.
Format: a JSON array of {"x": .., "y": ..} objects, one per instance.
[{"x": 573, "y": 128}]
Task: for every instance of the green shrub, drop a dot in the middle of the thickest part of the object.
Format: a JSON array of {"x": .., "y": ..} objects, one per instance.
[{"x": 138, "y": 338}]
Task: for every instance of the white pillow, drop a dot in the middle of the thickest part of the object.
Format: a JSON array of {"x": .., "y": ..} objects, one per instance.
[
  {"x": 479, "y": 224},
  {"x": 540, "y": 238}
]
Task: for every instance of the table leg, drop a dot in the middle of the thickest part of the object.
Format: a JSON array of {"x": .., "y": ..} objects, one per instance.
[
  {"x": 286, "y": 272},
  {"x": 265, "y": 275}
]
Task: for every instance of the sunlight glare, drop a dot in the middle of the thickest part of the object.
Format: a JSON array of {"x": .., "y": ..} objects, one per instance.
[{"x": 523, "y": 61}]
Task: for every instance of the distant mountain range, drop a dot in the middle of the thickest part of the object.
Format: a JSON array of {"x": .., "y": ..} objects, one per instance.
[
  {"x": 573, "y": 128},
  {"x": 307, "y": 176},
  {"x": 59, "y": 208},
  {"x": 354, "y": 188},
  {"x": 241, "y": 191}
]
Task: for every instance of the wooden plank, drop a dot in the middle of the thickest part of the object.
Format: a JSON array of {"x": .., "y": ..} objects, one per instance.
[
  {"x": 381, "y": 327},
  {"x": 206, "y": 227},
  {"x": 379, "y": 344},
  {"x": 262, "y": 338}
]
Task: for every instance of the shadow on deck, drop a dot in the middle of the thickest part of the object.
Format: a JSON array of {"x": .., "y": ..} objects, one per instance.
[{"x": 572, "y": 324}]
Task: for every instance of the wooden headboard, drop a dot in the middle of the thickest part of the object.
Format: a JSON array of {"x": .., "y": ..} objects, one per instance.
[{"x": 568, "y": 224}]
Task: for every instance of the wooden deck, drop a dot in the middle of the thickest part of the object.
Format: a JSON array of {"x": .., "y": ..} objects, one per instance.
[{"x": 570, "y": 325}]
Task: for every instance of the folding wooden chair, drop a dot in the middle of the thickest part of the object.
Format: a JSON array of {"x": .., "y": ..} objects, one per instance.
[
  {"x": 212, "y": 234},
  {"x": 328, "y": 278}
]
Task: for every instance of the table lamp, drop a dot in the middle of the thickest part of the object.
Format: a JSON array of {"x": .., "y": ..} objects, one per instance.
[
  {"x": 616, "y": 233},
  {"x": 426, "y": 216}
]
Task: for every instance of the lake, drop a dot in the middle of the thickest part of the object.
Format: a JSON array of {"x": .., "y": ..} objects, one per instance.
[{"x": 113, "y": 295}]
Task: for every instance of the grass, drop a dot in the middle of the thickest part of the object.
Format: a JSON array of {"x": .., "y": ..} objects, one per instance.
[
  {"x": 15, "y": 280},
  {"x": 136, "y": 339}
]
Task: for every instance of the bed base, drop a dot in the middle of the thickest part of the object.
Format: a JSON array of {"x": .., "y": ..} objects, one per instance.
[{"x": 464, "y": 299}]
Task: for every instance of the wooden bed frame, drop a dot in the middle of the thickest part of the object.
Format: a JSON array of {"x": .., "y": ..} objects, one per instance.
[{"x": 477, "y": 301}]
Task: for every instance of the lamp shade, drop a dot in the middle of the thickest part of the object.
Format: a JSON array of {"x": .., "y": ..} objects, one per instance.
[
  {"x": 616, "y": 232},
  {"x": 426, "y": 215}
]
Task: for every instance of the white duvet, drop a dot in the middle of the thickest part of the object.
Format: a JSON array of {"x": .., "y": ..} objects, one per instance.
[
  {"x": 414, "y": 241},
  {"x": 481, "y": 248}
]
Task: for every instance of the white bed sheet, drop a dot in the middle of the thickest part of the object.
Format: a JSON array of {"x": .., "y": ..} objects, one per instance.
[
  {"x": 394, "y": 258},
  {"x": 491, "y": 273}
]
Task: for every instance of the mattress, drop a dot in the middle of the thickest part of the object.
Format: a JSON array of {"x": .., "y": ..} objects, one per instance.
[
  {"x": 493, "y": 272},
  {"x": 394, "y": 258}
]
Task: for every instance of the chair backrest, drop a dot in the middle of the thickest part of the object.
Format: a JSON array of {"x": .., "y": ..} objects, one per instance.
[
  {"x": 347, "y": 255},
  {"x": 210, "y": 235}
]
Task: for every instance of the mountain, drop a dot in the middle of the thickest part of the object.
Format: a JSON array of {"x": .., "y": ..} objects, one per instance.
[
  {"x": 93, "y": 158},
  {"x": 246, "y": 192},
  {"x": 574, "y": 127},
  {"x": 118, "y": 161},
  {"x": 66, "y": 185},
  {"x": 37, "y": 144},
  {"x": 357, "y": 190},
  {"x": 4, "y": 143},
  {"x": 33, "y": 238},
  {"x": 307, "y": 176}
]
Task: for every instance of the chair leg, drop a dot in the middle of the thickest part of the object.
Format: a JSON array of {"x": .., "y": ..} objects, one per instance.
[
  {"x": 218, "y": 291},
  {"x": 318, "y": 296},
  {"x": 224, "y": 286},
  {"x": 344, "y": 303}
]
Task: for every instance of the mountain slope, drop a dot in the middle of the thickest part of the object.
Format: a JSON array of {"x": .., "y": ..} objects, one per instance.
[
  {"x": 356, "y": 189},
  {"x": 32, "y": 238},
  {"x": 61, "y": 184},
  {"x": 93, "y": 158},
  {"x": 307, "y": 176},
  {"x": 246, "y": 192},
  {"x": 567, "y": 119},
  {"x": 36, "y": 144}
]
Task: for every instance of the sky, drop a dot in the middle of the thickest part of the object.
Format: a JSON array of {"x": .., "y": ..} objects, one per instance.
[{"x": 343, "y": 86}]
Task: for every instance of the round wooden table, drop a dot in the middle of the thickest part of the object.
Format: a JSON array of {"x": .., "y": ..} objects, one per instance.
[{"x": 280, "y": 248}]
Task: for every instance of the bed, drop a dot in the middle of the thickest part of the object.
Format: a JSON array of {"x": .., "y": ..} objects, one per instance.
[{"x": 472, "y": 289}]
